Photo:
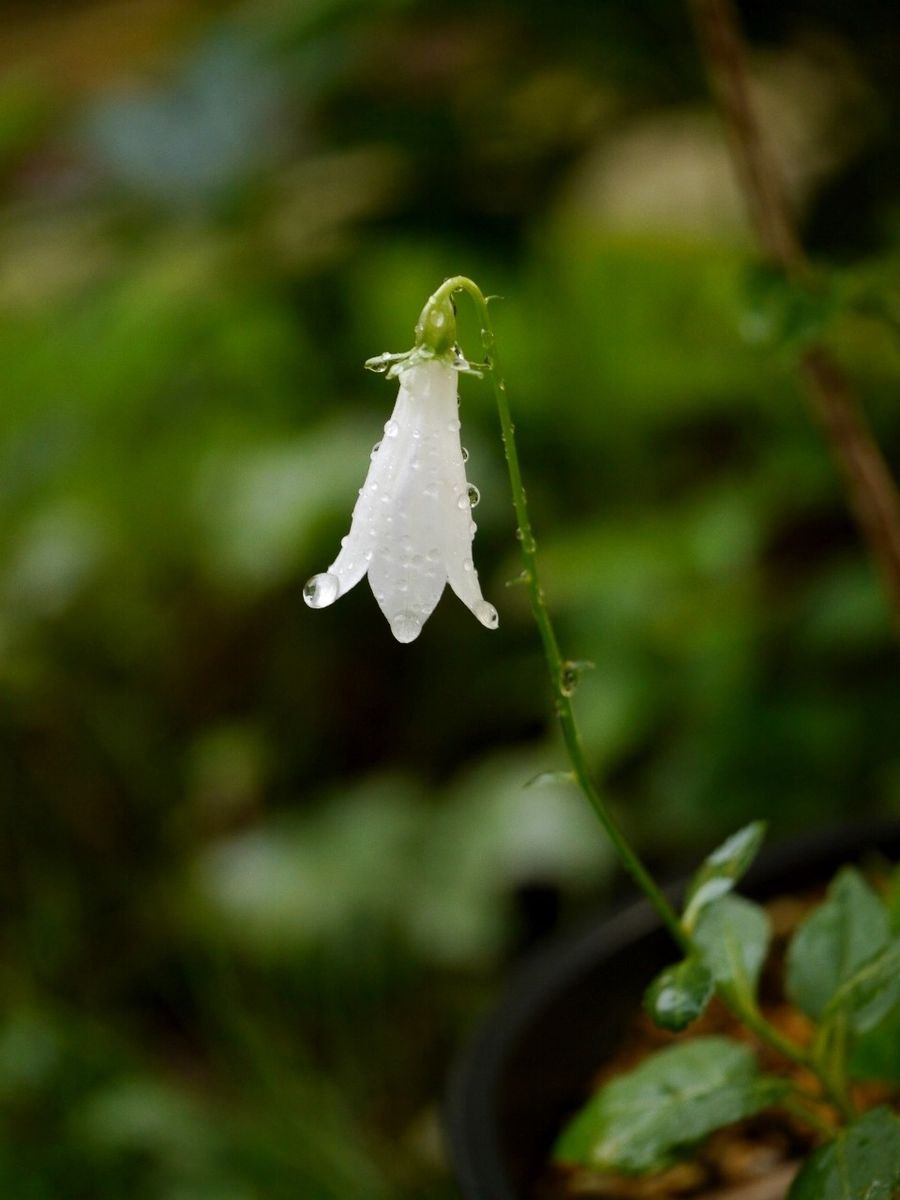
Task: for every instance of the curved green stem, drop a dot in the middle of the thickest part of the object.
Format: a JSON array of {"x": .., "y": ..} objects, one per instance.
[
  {"x": 770, "y": 1036},
  {"x": 800, "y": 1108},
  {"x": 829, "y": 1052},
  {"x": 561, "y": 671}
]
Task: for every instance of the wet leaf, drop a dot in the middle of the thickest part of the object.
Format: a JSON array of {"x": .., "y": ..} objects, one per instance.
[
  {"x": 679, "y": 994},
  {"x": 646, "y": 1119},
  {"x": 722, "y": 869},
  {"x": 840, "y": 935},
  {"x": 732, "y": 936},
  {"x": 872, "y": 992},
  {"x": 862, "y": 1163}
]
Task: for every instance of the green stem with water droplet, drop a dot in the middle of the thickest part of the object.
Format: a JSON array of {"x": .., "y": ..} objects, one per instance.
[
  {"x": 560, "y": 671},
  {"x": 558, "y": 667}
]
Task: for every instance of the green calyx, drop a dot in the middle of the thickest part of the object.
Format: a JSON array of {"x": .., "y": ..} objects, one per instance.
[
  {"x": 435, "y": 335},
  {"x": 436, "y": 326}
]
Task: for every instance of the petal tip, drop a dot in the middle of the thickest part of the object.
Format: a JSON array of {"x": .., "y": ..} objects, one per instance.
[
  {"x": 406, "y": 627},
  {"x": 321, "y": 590},
  {"x": 487, "y": 614}
]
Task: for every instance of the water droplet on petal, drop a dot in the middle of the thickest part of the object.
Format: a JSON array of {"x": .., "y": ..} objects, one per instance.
[
  {"x": 454, "y": 426},
  {"x": 431, "y": 492},
  {"x": 433, "y": 556},
  {"x": 391, "y": 428},
  {"x": 321, "y": 590},
  {"x": 468, "y": 565},
  {"x": 474, "y": 495},
  {"x": 463, "y": 502},
  {"x": 465, "y": 454},
  {"x": 406, "y": 627},
  {"x": 486, "y": 614},
  {"x": 375, "y": 449}
]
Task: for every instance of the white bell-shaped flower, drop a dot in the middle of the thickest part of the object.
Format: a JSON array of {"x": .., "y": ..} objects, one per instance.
[{"x": 412, "y": 525}]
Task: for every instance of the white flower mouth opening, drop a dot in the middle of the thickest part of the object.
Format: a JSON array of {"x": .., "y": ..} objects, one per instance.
[{"x": 412, "y": 526}]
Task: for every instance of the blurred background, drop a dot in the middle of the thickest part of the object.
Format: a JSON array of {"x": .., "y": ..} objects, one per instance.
[{"x": 262, "y": 867}]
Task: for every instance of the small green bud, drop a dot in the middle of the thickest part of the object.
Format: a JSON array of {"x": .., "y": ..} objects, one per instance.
[{"x": 436, "y": 327}]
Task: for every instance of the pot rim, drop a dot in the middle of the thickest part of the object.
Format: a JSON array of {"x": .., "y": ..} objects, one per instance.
[{"x": 470, "y": 1109}]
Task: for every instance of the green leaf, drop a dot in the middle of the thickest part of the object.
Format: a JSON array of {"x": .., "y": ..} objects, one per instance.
[
  {"x": 732, "y": 937},
  {"x": 644, "y": 1120},
  {"x": 893, "y": 900},
  {"x": 872, "y": 992},
  {"x": 876, "y": 1054},
  {"x": 840, "y": 935},
  {"x": 722, "y": 869},
  {"x": 679, "y": 994},
  {"x": 862, "y": 1163}
]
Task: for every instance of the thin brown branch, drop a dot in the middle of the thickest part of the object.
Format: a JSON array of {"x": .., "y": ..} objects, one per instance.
[{"x": 871, "y": 488}]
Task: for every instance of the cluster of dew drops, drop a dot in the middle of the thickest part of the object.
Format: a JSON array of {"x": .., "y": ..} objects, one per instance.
[{"x": 323, "y": 589}]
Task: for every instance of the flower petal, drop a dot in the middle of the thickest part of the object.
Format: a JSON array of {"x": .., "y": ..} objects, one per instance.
[
  {"x": 412, "y": 525},
  {"x": 458, "y": 526},
  {"x": 407, "y": 572},
  {"x": 369, "y": 521}
]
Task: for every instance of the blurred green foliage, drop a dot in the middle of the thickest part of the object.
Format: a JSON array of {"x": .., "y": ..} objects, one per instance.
[{"x": 261, "y": 866}]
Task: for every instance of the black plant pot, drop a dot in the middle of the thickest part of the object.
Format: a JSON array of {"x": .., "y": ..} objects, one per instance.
[{"x": 531, "y": 1062}]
